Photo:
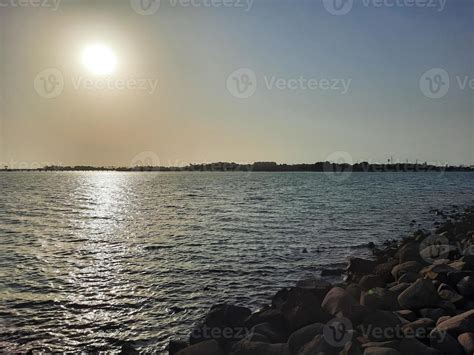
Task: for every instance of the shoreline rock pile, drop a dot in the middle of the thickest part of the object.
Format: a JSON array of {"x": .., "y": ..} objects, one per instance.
[{"x": 416, "y": 296}]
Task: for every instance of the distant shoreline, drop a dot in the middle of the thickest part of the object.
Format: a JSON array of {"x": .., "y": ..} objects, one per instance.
[{"x": 326, "y": 167}]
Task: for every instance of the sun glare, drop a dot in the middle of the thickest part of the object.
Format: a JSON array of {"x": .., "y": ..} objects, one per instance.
[{"x": 99, "y": 59}]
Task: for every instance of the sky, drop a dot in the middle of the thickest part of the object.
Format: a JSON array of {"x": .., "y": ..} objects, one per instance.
[{"x": 291, "y": 81}]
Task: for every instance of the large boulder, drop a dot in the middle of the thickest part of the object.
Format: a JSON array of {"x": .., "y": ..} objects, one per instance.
[
  {"x": 245, "y": 347},
  {"x": 462, "y": 323},
  {"x": 421, "y": 294},
  {"x": 381, "y": 326},
  {"x": 266, "y": 315},
  {"x": 209, "y": 347},
  {"x": 381, "y": 351},
  {"x": 380, "y": 298},
  {"x": 319, "y": 345},
  {"x": 466, "y": 286},
  {"x": 467, "y": 342},
  {"x": 408, "y": 252},
  {"x": 403, "y": 268},
  {"x": 421, "y": 328},
  {"x": 303, "y": 336},
  {"x": 358, "y": 266},
  {"x": 275, "y": 335},
  {"x": 447, "y": 293},
  {"x": 338, "y": 302},
  {"x": 433, "y": 313},
  {"x": 370, "y": 281},
  {"x": 301, "y": 307},
  {"x": 445, "y": 343},
  {"x": 224, "y": 323},
  {"x": 414, "y": 346}
]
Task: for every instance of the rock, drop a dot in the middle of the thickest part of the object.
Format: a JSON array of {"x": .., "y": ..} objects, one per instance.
[
  {"x": 380, "y": 298},
  {"x": 176, "y": 345},
  {"x": 380, "y": 325},
  {"x": 421, "y": 294},
  {"x": 302, "y": 307},
  {"x": 458, "y": 265},
  {"x": 303, "y": 336},
  {"x": 467, "y": 342},
  {"x": 400, "y": 287},
  {"x": 266, "y": 315},
  {"x": 456, "y": 276},
  {"x": 209, "y": 347},
  {"x": 468, "y": 259},
  {"x": 413, "y": 346},
  {"x": 407, "y": 314},
  {"x": 447, "y": 293},
  {"x": 433, "y": 313},
  {"x": 381, "y": 351},
  {"x": 420, "y": 328},
  {"x": 441, "y": 319},
  {"x": 339, "y": 303},
  {"x": 351, "y": 348},
  {"x": 269, "y": 331},
  {"x": 358, "y": 266},
  {"x": 408, "y": 277},
  {"x": 384, "y": 270},
  {"x": 408, "y": 252},
  {"x": 256, "y": 337},
  {"x": 370, "y": 281},
  {"x": 319, "y": 345},
  {"x": 462, "y": 323},
  {"x": 392, "y": 344},
  {"x": 466, "y": 286},
  {"x": 354, "y": 290},
  {"x": 445, "y": 343},
  {"x": 244, "y": 347},
  {"x": 409, "y": 266},
  {"x": 128, "y": 349},
  {"x": 224, "y": 323}
]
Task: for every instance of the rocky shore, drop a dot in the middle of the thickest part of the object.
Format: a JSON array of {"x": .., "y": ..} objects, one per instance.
[{"x": 415, "y": 296}]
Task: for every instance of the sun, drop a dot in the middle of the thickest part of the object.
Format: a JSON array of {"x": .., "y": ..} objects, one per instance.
[{"x": 99, "y": 59}]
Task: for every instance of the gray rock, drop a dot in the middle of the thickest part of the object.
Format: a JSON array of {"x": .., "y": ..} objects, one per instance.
[
  {"x": 407, "y": 314},
  {"x": 408, "y": 252},
  {"x": 420, "y": 328},
  {"x": 467, "y": 342},
  {"x": 319, "y": 345},
  {"x": 371, "y": 281},
  {"x": 399, "y": 288},
  {"x": 244, "y": 347},
  {"x": 466, "y": 286},
  {"x": 209, "y": 347},
  {"x": 433, "y": 313},
  {"x": 445, "y": 343},
  {"x": 421, "y": 294},
  {"x": 303, "y": 336},
  {"x": 339, "y": 302},
  {"x": 381, "y": 351},
  {"x": 462, "y": 323},
  {"x": 403, "y": 268},
  {"x": 275, "y": 335},
  {"x": 414, "y": 346},
  {"x": 447, "y": 293},
  {"x": 409, "y": 277},
  {"x": 380, "y": 325},
  {"x": 380, "y": 298}
]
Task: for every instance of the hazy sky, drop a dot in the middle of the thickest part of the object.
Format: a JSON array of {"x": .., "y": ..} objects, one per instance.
[{"x": 316, "y": 82}]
